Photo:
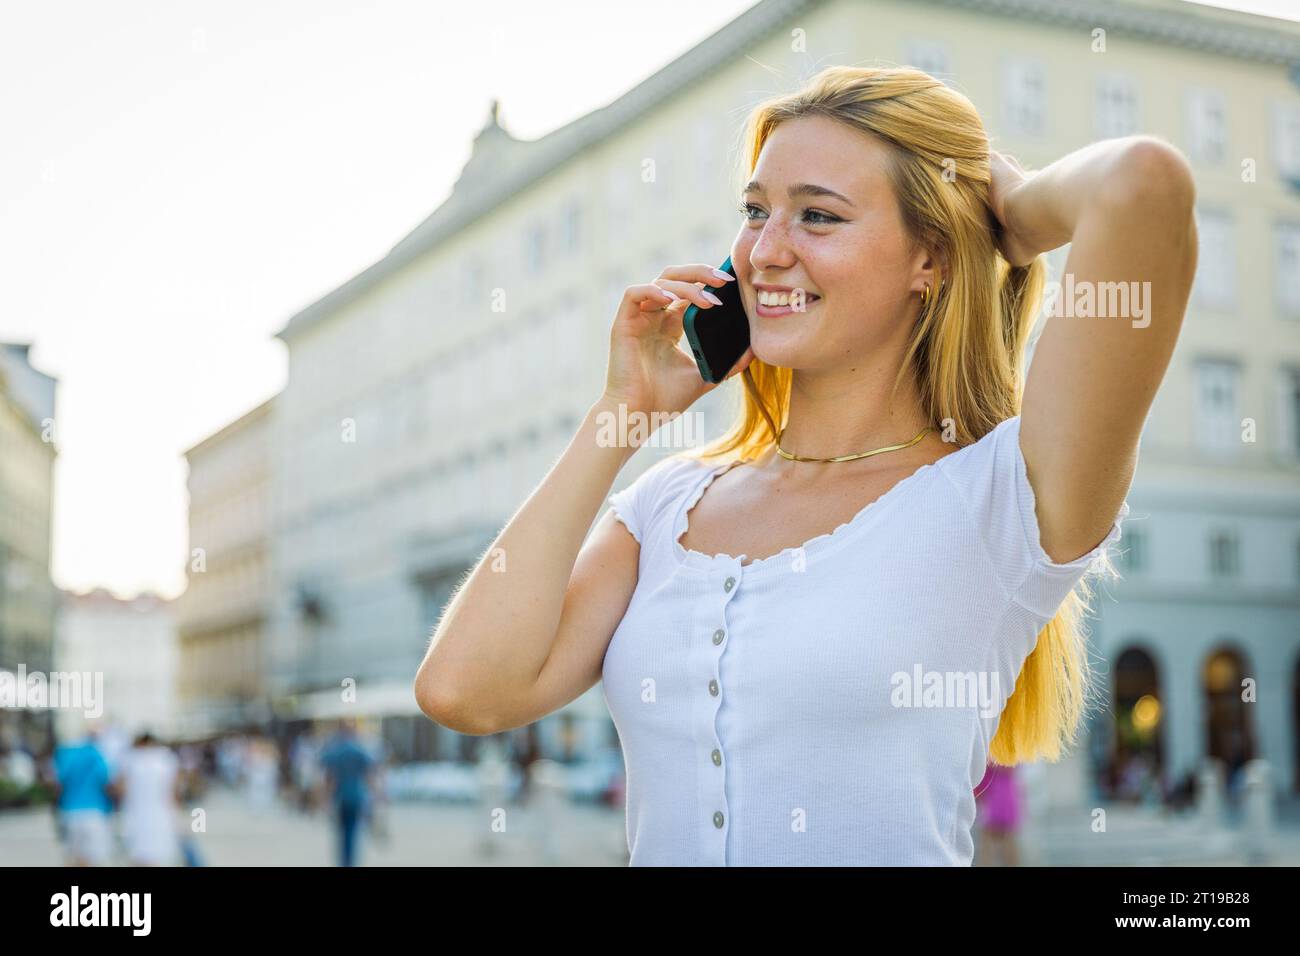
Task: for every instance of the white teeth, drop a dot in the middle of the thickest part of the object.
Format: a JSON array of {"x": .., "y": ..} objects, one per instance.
[{"x": 778, "y": 298}]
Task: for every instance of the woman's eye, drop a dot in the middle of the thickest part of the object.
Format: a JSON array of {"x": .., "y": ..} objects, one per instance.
[{"x": 813, "y": 216}]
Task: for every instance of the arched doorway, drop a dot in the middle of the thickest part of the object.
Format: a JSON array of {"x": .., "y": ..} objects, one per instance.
[
  {"x": 1136, "y": 769},
  {"x": 1229, "y": 728}
]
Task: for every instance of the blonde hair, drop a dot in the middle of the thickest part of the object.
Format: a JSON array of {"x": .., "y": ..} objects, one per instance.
[{"x": 967, "y": 350}]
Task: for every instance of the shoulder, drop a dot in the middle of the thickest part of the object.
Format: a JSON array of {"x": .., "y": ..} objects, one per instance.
[
  {"x": 645, "y": 498},
  {"x": 976, "y": 467}
]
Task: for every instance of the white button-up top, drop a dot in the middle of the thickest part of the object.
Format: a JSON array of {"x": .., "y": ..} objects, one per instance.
[{"x": 832, "y": 704}]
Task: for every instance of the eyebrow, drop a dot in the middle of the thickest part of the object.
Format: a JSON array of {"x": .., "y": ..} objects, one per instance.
[{"x": 799, "y": 189}]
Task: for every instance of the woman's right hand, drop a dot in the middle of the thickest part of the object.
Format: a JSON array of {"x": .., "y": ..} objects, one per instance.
[{"x": 647, "y": 370}]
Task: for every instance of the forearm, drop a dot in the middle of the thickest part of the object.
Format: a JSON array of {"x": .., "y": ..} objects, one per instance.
[
  {"x": 1045, "y": 212},
  {"x": 496, "y": 633}
]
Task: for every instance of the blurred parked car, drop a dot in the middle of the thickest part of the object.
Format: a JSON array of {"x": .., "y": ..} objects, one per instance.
[
  {"x": 595, "y": 779},
  {"x": 443, "y": 781}
]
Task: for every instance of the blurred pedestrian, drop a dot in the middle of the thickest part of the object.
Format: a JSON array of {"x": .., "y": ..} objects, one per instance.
[
  {"x": 191, "y": 786},
  {"x": 151, "y": 789},
  {"x": 347, "y": 765},
  {"x": 83, "y": 802},
  {"x": 304, "y": 764},
  {"x": 998, "y": 816},
  {"x": 261, "y": 774},
  {"x": 525, "y": 752}
]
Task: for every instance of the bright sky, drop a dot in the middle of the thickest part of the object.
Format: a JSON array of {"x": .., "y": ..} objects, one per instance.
[{"x": 179, "y": 177}]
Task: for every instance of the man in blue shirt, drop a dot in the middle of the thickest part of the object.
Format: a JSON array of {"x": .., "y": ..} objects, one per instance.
[
  {"x": 84, "y": 783},
  {"x": 347, "y": 765}
]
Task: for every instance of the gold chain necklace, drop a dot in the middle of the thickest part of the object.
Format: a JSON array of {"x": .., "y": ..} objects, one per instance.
[{"x": 866, "y": 454}]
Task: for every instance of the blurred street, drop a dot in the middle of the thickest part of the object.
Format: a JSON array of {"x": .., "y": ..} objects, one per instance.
[
  {"x": 240, "y": 832},
  {"x": 420, "y": 834}
]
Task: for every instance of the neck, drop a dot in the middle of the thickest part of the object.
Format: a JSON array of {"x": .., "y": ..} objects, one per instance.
[{"x": 848, "y": 411}]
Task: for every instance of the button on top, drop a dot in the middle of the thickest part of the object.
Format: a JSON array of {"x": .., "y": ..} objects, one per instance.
[
  {"x": 713, "y": 688},
  {"x": 717, "y": 819},
  {"x": 718, "y": 636},
  {"x": 717, "y": 758},
  {"x": 729, "y": 584}
]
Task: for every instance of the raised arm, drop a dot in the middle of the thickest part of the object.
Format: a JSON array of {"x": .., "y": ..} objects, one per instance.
[
  {"x": 1126, "y": 207},
  {"x": 497, "y": 633},
  {"x": 527, "y": 631}
]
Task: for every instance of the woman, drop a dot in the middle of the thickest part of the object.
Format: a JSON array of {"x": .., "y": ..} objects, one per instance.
[
  {"x": 813, "y": 662},
  {"x": 151, "y": 788}
]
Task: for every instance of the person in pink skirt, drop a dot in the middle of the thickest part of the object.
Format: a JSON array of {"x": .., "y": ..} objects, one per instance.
[{"x": 998, "y": 814}]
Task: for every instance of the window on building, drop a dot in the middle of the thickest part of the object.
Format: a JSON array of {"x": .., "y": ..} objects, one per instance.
[
  {"x": 474, "y": 290},
  {"x": 928, "y": 55},
  {"x": 1115, "y": 109},
  {"x": 571, "y": 226},
  {"x": 1218, "y": 420},
  {"x": 1289, "y": 413},
  {"x": 1286, "y": 140},
  {"x": 1215, "y": 285},
  {"x": 500, "y": 358},
  {"x": 619, "y": 182},
  {"x": 1207, "y": 126},
  {"x": 708, "y": 152},
  {"x": 664, "y": 185},
  {"x": 1024, "y": 97},
  {"x": 1132, "y": 556},
  {"x": 1286, "y": 271},
  {"x": 1224, "y": 556},
  {"x": 535, "y": 247}
]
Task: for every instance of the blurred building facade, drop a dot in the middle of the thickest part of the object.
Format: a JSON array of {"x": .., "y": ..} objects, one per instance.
[
  {"x": 429, "y": 394},
  {"x": 221, "y": 616},
  {"x": 1198, "y": 647},
  {"x": 132, "y": 642},
  {"x": 27, "y": 596}
]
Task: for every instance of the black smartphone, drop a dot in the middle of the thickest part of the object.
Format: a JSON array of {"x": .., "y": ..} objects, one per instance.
[{"x": 719, "y": 335}]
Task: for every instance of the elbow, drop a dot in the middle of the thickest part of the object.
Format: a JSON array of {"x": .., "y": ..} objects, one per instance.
[
  {"x": 1153, "y": 174},
  {"x": 448, "y": 709}
]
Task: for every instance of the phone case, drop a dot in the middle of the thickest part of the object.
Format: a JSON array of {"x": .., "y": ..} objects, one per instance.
[{"x": 718, "y": 336}]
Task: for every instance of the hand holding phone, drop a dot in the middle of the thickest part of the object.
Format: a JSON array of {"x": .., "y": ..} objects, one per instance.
[
  {"x": 718, "y": 336},
  {"x": 648, "y": 370}
]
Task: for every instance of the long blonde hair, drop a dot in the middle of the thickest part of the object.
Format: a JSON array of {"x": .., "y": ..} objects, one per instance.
[{"x": 967, "y": 350}]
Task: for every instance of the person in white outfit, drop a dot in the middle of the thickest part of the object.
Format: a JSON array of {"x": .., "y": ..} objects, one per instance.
[
  {"x": 150, "y": 784},
  {"x": 816, "y": 632}
]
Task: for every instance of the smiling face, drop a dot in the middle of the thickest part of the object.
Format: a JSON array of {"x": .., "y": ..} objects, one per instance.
[{"x": 842, "y": 241}]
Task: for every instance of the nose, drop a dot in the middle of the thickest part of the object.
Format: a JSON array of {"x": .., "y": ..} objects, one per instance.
[{"x": 772, "y": 250}]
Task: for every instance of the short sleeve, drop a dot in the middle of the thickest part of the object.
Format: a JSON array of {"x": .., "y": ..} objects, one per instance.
[
  {"x": 994, "y": 479},
  {"x": 639, "y": 503}
]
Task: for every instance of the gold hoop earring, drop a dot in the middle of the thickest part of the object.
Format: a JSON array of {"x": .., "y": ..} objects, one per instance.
[{"x": 925, "y": 296}]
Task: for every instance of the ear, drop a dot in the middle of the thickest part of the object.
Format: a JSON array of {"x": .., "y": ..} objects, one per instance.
[{"x": 929, "y": 268}]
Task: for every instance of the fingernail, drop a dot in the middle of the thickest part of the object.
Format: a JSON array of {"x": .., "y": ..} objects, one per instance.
[
  {"x": 710, "y": 296},
  {"x": 724, "y": 275},
  {"x": 671, "y": 295}
]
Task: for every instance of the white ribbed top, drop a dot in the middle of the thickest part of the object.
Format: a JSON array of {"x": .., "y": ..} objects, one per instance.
[{"x": 758, "y": 705}]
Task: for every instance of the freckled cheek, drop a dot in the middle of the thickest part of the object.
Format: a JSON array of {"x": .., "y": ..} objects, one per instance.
[
  {"x": 856, "y": 268},
  {"x": 741, "y": 249}
]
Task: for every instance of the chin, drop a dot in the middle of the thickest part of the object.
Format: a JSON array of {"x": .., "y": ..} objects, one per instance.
[{"x": 782, "y": 352}]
